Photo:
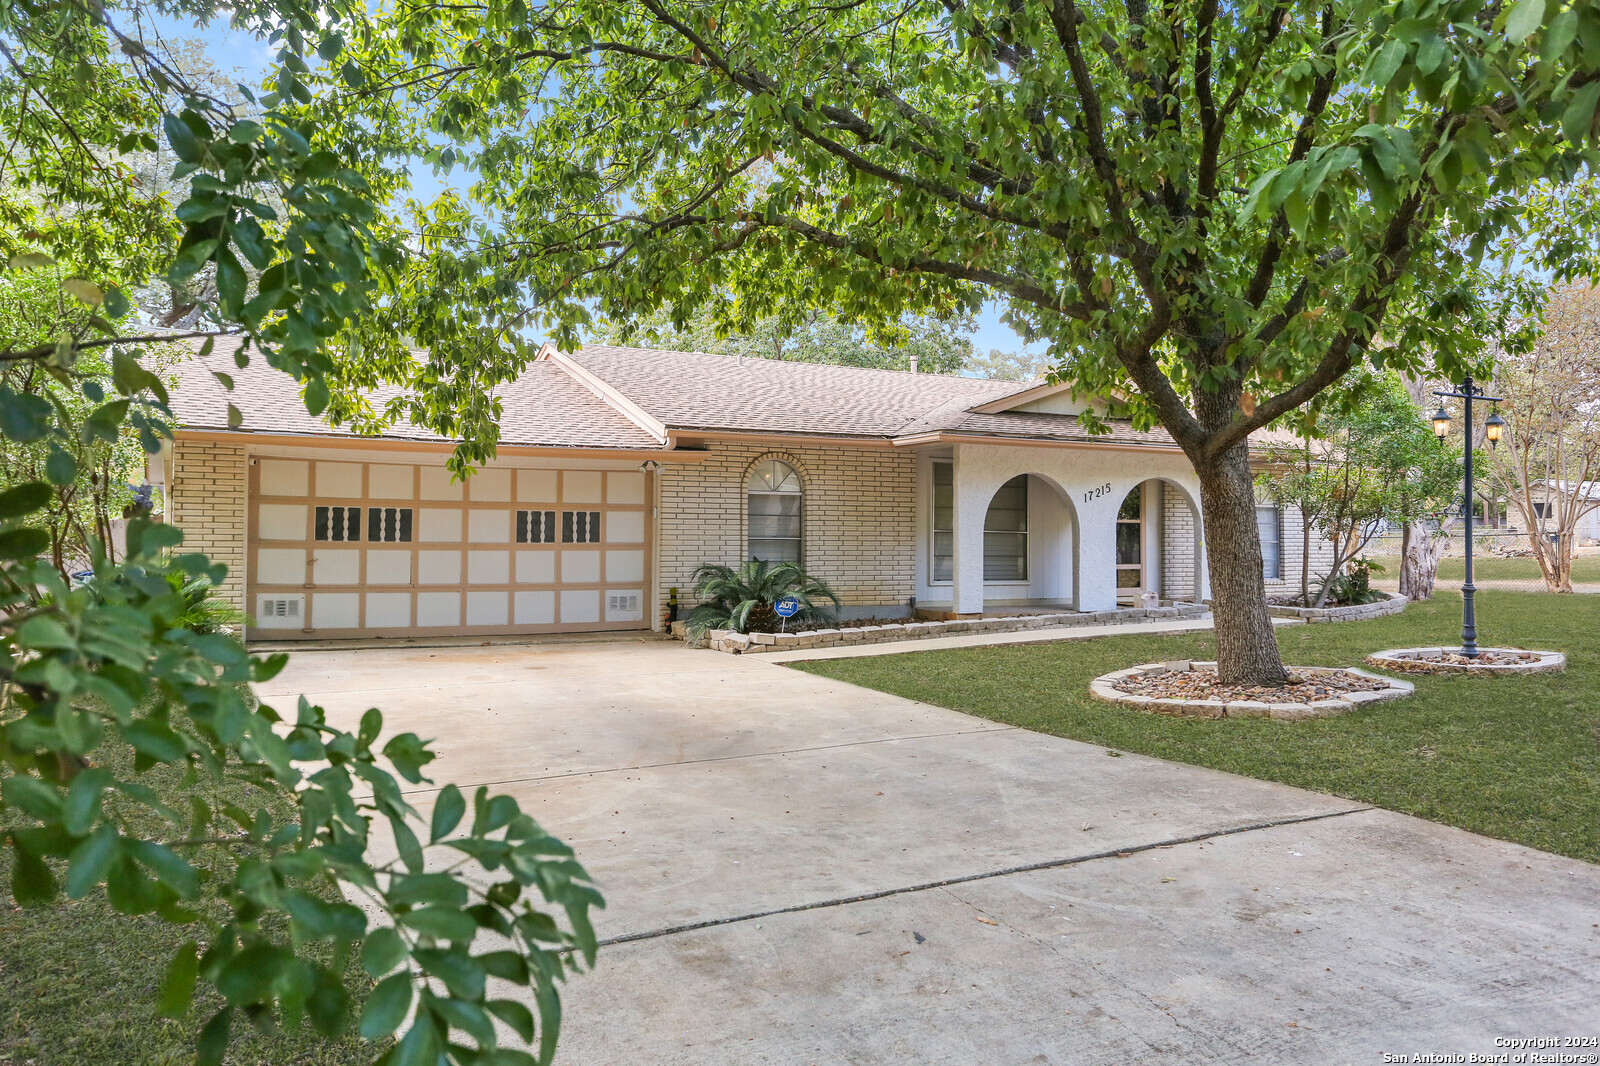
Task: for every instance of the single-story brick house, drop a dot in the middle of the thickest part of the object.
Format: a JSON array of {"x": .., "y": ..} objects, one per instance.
[{"x": 621, "y": 470}]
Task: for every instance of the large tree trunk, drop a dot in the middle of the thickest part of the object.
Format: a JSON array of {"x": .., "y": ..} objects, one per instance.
[
  {"x": 1247, "y": 650},
  {"x": 1419, "y": 564}
]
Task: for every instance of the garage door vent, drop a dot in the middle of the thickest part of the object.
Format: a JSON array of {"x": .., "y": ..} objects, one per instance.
[
  {"x": 280, "y": 612},
  {"x": 627, "y": 602}
]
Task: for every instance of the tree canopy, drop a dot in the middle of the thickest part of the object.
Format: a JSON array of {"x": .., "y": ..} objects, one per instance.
[{"x": 1220, "y": 208}]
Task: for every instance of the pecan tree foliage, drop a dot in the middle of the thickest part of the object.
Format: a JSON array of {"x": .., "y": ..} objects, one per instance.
[
  {"x": 105, "y": 681},
  {"x": 1221, "y": 207}
]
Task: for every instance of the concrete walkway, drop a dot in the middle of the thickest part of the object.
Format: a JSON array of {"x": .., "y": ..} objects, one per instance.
[
  {"x": 800, "y": 871},
  {"x": 985, "y": 640}
]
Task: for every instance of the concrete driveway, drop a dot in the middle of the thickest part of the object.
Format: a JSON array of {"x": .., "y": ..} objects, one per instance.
[{"x": 801, "y": 871}]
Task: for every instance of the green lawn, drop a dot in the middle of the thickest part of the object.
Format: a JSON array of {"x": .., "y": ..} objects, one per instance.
[
  {"x": 1454, "y": 569},
  {"x": 78, "y": 981},
  {"x": 1517, "y": 758}
]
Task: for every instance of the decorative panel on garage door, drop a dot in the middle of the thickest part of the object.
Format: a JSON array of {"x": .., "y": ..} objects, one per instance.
[{"x": 347, "y": 548}]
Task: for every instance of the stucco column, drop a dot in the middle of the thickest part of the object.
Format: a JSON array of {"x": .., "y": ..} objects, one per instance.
[
  {"x": 1202, "y": 568},
  {"x": 1097, "y": 552},
  {"x": 971, "y": 494}
]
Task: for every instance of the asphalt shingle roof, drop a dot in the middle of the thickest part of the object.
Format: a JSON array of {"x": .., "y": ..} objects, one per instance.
[
  {"x": 697, "y": 390},
  {"x": 685, "y": 391},
  {"x": 544, "y": 407}
]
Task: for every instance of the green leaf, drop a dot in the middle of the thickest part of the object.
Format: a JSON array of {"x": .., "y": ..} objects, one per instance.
[
  {"x": 460, "y": 974},
  {"x": 382, "y": 950},
  {"x": 28, "y": 794},
  {"x": 177, "y": 988},
  {"x": 1525, "y": 17},
  {"x": 184, "y": 143},
  {"x": 515, "y": 1015},
  {"x": 24, "y": 499},
  {"x": 409, "y": 754},
  {"x": 387, "y": 1006},
  {"x": 82, "y": 807},
  {"x": 506, "y": 965},
  {"x": 31, "y": 881},
  {"x": 155, "y": 739},
  {"x": 170, "y": 868},
  {"x": 419, "y": 1047},
  {"x": 1578, "y": 119},
  {"x": 191, "y": 258},
  {"x": 1385, "y": 63},
  {"x": 23, "y": 543},
  {"x": 441, "y": 923},
  {"x": 231, "y": 282},
  {"x": 448, "y": 811},
  {"x": 427, "y": 888},
  {"x": 24, "y": 417},
  {"x": 91, "y": 861},
  {"x": 213, "y": 1041},
  {"x": 117, "y": 303},
  {"x": 59, "y": 466}
]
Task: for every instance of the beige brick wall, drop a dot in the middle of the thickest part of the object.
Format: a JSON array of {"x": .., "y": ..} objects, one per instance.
[
  {"x": 1177, "y": 545},
  {"x": 207, "y": 502},
  {"x": 858, "y": 525}
]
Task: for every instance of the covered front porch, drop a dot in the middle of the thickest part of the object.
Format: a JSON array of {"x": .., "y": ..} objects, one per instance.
[{"x": 1025, "y": 527}]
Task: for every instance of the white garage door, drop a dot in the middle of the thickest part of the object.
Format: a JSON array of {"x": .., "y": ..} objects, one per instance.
[{"x": 346, "y": 548}]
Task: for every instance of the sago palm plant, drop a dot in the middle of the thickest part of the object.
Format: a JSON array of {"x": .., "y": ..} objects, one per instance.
[{"x": 742, "y": 599}]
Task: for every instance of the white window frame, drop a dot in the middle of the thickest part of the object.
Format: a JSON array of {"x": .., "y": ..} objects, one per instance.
[
  {"x": 767, "y": 467},
  {"x": 1277, "y": 526},
  {"x": 933, "y": 525}
]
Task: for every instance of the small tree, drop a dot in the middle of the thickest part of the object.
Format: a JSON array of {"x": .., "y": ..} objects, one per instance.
[
  {"x": 1361, "y": 467},
  {"x": 1551, "y": 447}
]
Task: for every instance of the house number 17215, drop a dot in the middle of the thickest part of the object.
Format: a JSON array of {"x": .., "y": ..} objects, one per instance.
[{"x": 1097, "y": 492}]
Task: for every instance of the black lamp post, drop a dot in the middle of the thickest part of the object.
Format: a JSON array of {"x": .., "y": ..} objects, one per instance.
[{"x": 1492, "y": 430}]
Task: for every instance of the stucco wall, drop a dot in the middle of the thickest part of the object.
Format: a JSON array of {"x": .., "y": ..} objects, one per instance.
[
  {"x": 207, "y": 501},
  {"x": 857, "y": 525}
]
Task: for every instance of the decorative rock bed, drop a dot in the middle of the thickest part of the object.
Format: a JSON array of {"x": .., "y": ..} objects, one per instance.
[
  {"x": 1493, "y": 661},
  {"x": 1377, "y": 609},
  {"x": 1190, "y": 689},
  {"x": 726, "y": 640}
]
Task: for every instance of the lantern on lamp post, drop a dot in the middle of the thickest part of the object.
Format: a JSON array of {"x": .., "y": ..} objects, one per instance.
[{"x": 1492, "y": 429}]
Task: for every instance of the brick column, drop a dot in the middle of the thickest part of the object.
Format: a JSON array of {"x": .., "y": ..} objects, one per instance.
[{"x": 207, "y": 502}]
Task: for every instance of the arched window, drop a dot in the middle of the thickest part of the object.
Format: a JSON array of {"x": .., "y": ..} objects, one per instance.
[{"x": 775, "y": 498}]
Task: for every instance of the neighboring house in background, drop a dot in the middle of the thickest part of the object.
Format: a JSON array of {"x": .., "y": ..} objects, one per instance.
[
  {"x": 1504, "y": 516},
  {"x": 621, "y": 470}
]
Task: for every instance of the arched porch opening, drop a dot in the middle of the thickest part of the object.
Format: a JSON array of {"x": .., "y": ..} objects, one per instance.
[
  {"x": 1159, "y": 546},
  {"x": 1030, "y": 541}
]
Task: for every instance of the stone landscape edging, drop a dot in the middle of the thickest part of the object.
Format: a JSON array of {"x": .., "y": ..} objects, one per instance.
[
  {"x": 1390, "y": 604},
  {"x": 1103, "y": 688},
  {"x": 1550, "y": 662},
  {"x": 726, "y": 640}
]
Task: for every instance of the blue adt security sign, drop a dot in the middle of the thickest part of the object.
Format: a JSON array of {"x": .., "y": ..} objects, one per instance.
[{"x": 787, "y": 606}]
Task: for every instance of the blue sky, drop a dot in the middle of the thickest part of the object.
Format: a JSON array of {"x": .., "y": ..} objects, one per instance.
[{"x": 244, "y": 56}]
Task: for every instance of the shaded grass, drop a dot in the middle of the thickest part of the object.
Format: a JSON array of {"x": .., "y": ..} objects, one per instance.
[
  {"x": 78, "y": 981},
  {"x": 1514, "y": 757}
]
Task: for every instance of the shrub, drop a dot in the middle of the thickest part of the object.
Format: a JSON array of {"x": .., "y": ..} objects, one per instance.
[
  {"x": 742, "y": 599},
  {"x": 1354, "y": 586}
]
